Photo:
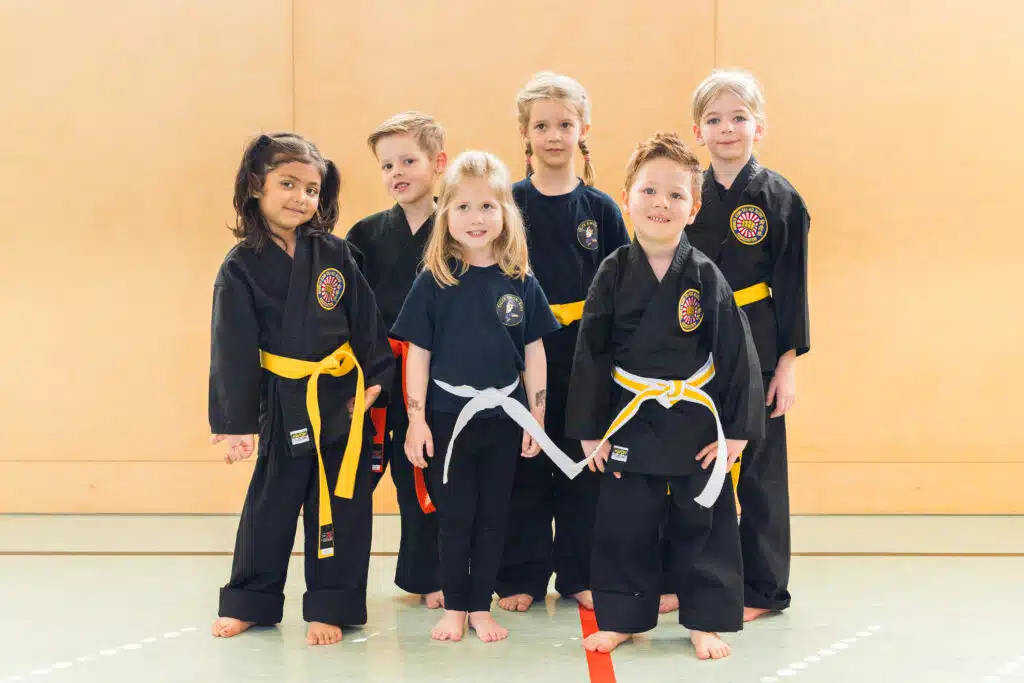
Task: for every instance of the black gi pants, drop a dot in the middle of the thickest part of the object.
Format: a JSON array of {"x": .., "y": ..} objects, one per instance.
[
  {"x": 280, "y": 485},
  {"x": 627, "y": 569}
]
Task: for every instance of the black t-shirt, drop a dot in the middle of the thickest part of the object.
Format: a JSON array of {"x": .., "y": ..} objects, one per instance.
[{"x": 476, "y": 331}]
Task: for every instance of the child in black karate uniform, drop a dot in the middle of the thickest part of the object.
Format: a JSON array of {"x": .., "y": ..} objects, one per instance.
[
  {"x": 665, "y": 382},
  {"x": 292, "y": 313},
  {"x": 474, "y": 321},
  {"x": 409, "y": 148},
  {"x": 754, "y": 225}
]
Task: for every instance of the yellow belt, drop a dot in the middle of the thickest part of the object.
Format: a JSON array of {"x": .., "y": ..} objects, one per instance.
[
  {"x": 340, "y": 362},
  {"x": 745, "y": 297},
  {"x": 752, "y": 294},
  {"x": 568, "y": 313}
]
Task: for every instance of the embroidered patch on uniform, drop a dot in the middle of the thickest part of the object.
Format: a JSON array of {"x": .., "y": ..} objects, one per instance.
[
  {"x": 510, "y": 310},
  {"x": 586, "y": 233},
  {"x": 691, "y": 313},
  {"x": 749, "y": 224},
  {"x": 299, "y": 436},
  {"x": 329, "y": 288},
  {"x": 620, "y": 453}
]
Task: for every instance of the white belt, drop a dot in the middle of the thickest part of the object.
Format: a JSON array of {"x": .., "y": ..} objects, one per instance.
[
  {"x": 668, "y": 393},
  {"x": 484, "y": 399}
]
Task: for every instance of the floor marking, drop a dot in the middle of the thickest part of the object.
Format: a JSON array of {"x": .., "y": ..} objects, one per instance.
[
  {"x": 840, "y": 645},
  {"x": 106, "y": 652},
  {"x": 598, "y": 663}
]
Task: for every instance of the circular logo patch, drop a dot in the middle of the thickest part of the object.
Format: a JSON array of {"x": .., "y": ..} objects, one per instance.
[
  {"x": 586, "y": 233},
  {"x": 749, "y": 224},
  {"x": 510, "y": 310},
  {"x": 691, "y": 313},
  {"x": 329, "y": 288}
]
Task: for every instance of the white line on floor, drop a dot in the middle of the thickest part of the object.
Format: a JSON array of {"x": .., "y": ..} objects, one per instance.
[
  {"x": 106, "y": 652},
  {"x": 839, "y": 646},
  {"x": 1007, "y": 669}
]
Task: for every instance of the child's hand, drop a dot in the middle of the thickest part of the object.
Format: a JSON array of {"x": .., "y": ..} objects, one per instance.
[
  {"x": 733, "y": 446},
  {"x": 530, "y": 446},
  {"x": 240, "y": 446},
  {"x": 782, "y": 388},
  {"x": 371, "y": 395},
  {"x": 417, "y": 440},
  {"x": 601, "y": 458}
]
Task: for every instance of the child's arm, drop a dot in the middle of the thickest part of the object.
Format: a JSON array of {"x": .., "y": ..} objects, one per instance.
[
  {"x": 418, "y": 439},
  {"x": 789, "y": 291},
  {"x": 737, "y": 373},
  {"x": 234, "y": 400},
  {"x": 536, "y": 380}
]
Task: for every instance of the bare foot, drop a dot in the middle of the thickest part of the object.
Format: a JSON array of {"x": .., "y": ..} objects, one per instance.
[
  {"x": 449, "y": 627},
  {"x": 225, "y": 627},
  {"x": 585, "y": 598},
  {"x": 669, "y": 603},
  {"x": 751, "y": 613},
  {"x": 487, "y": 629},
  {"x": 435, "y": 600},
  {"x": 516, "y": 603},
  {"x": 605, "y": 641},
  {"x": 709, "y": 645},
  {"x": 323, "y": 634}
]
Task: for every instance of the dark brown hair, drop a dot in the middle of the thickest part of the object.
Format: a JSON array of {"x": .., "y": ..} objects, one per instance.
[{"x": 263, "y": 154}]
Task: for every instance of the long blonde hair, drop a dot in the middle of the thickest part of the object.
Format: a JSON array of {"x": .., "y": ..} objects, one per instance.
[
  {"x": 510, "y": 250},
  {"x": 551, "y": 86}
]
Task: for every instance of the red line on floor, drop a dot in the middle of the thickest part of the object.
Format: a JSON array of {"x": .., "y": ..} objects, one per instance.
[{"x": 599, "y": 664}]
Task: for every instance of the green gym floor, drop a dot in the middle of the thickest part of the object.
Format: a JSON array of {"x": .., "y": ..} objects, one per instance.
[{"x": 123, "y": 598}]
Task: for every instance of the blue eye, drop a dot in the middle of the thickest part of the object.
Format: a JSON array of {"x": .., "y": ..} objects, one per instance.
[
  {"x": 410, "y": 162},
  {"x": 648, "y": 190},
  {"x": 676, "y": 195}
]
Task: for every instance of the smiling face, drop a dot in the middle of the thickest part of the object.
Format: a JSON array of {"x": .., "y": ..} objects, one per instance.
[
  {"x": 290, "y": 196},
  {"x": 475, "y": 216},
  {"x": 660, "y": 202},
  {"x": 728, "y": 128}
]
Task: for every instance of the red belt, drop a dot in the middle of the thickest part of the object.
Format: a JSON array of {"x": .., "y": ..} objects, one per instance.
[{"x": 379, "y": 417}]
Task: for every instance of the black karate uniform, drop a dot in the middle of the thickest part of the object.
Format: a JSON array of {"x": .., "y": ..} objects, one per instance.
[
  {"x": 302, "y": 308},
  {"x": 664, "y": 330},
  {"x": 390, "y": 256},
  {"x": 756, "y": 231},
  {"x": 569, "y": 235},
  {"x": 477, "y": 332}
]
